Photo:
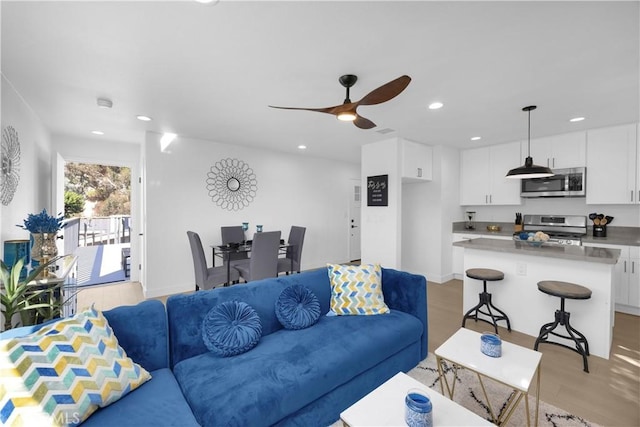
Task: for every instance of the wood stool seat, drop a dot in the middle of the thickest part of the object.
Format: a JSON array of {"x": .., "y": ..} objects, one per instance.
[
  {"x": 485, "y": 306},
  {"x": 571, "y": 291},
  {"x": 564, "y": 289},
  {"x": 485, "y": 274}
]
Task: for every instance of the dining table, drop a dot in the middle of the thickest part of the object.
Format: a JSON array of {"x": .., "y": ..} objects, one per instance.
[{"x": 224, "y": 252}]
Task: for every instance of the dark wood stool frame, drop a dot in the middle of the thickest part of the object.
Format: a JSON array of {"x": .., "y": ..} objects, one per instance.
[
  {"x": 562, "y": 319},
  {"x": 485, "y": 300}
]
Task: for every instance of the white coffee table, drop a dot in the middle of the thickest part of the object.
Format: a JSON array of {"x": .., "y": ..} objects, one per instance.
[
  {"x": 515, "y": 368},
  {"x": 384, "y": 406}
]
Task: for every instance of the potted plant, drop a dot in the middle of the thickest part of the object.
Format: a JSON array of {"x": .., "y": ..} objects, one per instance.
[{"x": 32, "y": 303}]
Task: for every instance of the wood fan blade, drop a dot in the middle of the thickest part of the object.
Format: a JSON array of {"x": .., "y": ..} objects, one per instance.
[
  {"x": 335, "y": 110},
  {"x": 363, "y": 123},
  {"x": 386, "y": 92},
  {"x": 319, "y": 110}
]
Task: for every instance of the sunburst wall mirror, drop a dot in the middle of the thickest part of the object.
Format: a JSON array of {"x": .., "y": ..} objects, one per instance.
[
  {"x": 231, "y": 184},
  {"x": 10, "y": 153}
]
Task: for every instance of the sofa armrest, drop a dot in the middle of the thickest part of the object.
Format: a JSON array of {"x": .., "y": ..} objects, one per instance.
[
  {"x": 142, "y": 332},
  {"x": 408, "y": 293}
]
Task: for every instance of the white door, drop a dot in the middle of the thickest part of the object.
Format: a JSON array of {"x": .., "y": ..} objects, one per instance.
[{"x": 354, "y": 220}]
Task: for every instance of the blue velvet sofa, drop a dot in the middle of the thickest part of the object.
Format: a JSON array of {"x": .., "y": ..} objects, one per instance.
[{"x": 292, "y": 377}]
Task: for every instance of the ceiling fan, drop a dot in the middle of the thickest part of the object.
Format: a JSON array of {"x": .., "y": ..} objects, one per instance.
[{"x": 347, "y": 110}]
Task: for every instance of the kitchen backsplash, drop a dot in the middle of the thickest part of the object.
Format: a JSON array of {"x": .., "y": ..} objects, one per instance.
[{"x": 625, "y": 215}]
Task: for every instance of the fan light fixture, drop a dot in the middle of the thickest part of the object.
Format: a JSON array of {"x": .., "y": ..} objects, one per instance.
[
  {"x": 347, "y": 116},
  {"x": 529, "y": 170}
]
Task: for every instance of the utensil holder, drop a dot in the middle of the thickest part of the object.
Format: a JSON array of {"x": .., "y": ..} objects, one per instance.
[{"x": 599, "y": 231}]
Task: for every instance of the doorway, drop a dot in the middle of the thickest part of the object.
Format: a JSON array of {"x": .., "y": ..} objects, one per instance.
[
  {"x": 355, "y": 196},
  {"x": 97, "y": 207}
]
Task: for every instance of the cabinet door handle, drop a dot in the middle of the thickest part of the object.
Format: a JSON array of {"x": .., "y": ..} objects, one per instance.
[
  {"x": 633, "y": 267},
  {"x": 553, "y": 162},
  {"x": 486, "y": 199},
  {"x": 547, "y": 162},
  {"x": 419, "y": 172},
  {"x": 631, "y": 196},
  {"x": 490, "y": 199},
  {"x": 625, "y": 266}
]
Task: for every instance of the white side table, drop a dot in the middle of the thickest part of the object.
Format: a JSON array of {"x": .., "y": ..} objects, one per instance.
[
  {"x": 384, "y": 406},
  {"x": 516, "y": 368}
]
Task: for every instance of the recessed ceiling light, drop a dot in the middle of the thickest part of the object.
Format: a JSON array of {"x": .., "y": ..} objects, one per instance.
[
  {"x": 435, "y": 105},
  {"x": 97, "y": 132},
  {"x": 143, "y": 118},
  {"x": 476, "y": 138},
  {"x": 576, "y": 119},
  {"x": 302, "y": 147}
]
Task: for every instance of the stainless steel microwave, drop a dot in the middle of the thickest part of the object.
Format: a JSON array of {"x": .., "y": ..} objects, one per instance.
[{"x": 565, "y": 183}]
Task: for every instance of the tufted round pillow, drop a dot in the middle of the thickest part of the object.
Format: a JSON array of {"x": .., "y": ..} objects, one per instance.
[
  {"x": 231, "y": 328},
  {"x": 297, "y": 307}
]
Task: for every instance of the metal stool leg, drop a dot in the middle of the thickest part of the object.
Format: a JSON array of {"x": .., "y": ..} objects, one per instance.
[
  {"x": 562, "y": 319},
  {"x": 485, "y": 301}
]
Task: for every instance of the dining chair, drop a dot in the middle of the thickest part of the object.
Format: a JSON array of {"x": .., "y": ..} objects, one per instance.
[
  {"x": 263, "y": 262},
  {"x": 233, "y": 234},
  {"x": 291, "y": 262},
  {"x": 207, "y": 278}
]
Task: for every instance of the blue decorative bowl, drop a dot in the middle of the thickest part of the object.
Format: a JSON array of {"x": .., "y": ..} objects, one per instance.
[{"x": 491, "y": 345}]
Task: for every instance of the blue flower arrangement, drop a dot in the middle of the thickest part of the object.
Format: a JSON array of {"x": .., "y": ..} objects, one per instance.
[{"x": 43, "y": 223}]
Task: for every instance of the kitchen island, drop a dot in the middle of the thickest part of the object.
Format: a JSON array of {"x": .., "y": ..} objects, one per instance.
[{"x": 525, "y": 265}]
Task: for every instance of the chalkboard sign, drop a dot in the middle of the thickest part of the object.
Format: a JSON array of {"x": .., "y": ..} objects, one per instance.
[{"x": 377, "y": 190}]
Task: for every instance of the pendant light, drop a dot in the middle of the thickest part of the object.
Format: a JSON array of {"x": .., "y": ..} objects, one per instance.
[{"x": 529, "y": 170}]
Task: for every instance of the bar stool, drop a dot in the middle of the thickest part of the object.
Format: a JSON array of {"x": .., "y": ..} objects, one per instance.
[
  {"x": 485, "y": 274},
  {"x": 571, "y": 291}
]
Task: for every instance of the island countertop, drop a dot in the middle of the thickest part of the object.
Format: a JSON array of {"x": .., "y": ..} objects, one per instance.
[{"x": 577, "y": 253}]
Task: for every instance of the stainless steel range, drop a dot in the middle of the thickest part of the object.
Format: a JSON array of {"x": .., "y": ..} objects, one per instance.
[{"x": 562, "y": 229}]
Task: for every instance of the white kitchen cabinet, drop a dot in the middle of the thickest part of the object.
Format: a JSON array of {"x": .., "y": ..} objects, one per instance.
[
  {"x": 612, "y": 166},
  {"x": 626, "y": 278},
  {"x": 417, "y": 162},
  {"x": 568, "y": 150},
  {"x": 482, "y": 175},
  {"x": 633, "y": 276}
]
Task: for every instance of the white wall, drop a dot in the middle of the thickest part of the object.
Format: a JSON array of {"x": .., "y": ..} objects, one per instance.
[
  {"x": 382, "y": 225},
  {"x": 292, "y": 190},
  {"x": 34, "y": 188},
  {"x": 428, "y": 209}
]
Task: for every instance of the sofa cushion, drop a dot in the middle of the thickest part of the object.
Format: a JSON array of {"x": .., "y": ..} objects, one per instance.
[
  {"x": 158, "y": 402},
  {"x": 64, "y": 372},
  {"x": 290, "y": 369},
  {"x": 231, "y": 328},
  {"x": 356, "y": 289},
  {"x": 297, "y": 307}
]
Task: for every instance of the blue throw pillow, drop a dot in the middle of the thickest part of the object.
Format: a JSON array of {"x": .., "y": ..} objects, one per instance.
[
  {"x": 231, "y": 328},
  {"x": 297, "y": 307}
]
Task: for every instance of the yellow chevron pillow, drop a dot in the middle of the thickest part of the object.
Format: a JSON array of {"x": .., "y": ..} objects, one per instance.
[
  {"x": 356, "y": 290},
  {"x": 63, "y": 373}
]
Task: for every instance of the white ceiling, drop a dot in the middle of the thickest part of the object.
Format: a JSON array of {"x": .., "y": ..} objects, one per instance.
[{"x": 209, "y": 72}]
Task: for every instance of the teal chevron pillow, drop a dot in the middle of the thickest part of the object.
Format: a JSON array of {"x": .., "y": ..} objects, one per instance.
[
  {"x": 356, "y": 290},
  {"x": 64, "y": 372}
]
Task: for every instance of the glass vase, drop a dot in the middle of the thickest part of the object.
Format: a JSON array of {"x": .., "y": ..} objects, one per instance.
[{"x": 44, "y": 248}]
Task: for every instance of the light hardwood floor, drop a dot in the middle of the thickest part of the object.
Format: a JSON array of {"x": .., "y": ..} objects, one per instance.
[{"x": 609, "y": 395}]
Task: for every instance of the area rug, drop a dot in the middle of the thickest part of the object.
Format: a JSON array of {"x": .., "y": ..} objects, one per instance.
[{"x": 468, "y": 393}]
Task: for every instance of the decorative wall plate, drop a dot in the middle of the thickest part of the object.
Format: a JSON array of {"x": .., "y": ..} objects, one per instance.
[
  {"x": 232, "y": 185},
  {"x": 10, "y": 153}
]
